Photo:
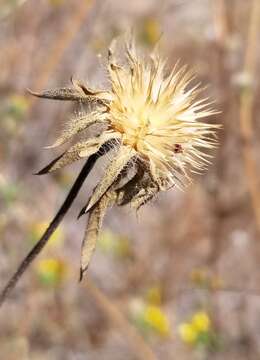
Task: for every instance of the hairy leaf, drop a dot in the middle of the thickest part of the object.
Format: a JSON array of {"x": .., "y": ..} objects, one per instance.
[
  {"x": 131, "y": 188},
  {"x": 81, "y": 150},
  {"x": 113, "y": 170},
  {"x": 66, "y": 93},
  {"x": 94, "y": 224},
  {"x": 144, "y": 195},
  {"x": 139, "y": 190},
  {"x": 75, "y": 126},
  {"x": 78, "y": 92}
]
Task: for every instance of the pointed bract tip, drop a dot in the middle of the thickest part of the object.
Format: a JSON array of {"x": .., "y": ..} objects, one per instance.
[
  {"x": 89, "y": 207},
  {"x": 56, "y": 144},
  {"x": 34, "y": 93},
  {"x": 41, "y": 172},
  {"x": 82, "y": 273},
  {"x": 82, "y": 212}
]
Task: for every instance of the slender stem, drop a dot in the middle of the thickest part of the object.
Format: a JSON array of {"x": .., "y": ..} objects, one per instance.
[
  {"x": 221, "y": 22},
  {"x": 247, "y": 99},
  {"x": 51, "y": 228},
  {"x": 71, "y": 27},
  {"x": 140, "y": 347}
]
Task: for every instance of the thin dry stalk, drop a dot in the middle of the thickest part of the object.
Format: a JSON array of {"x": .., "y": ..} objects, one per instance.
[
  {"x": 220, "y": 20},
  {"x": 246, "y": 111},
  {"x": 61, "y": 43},
  {"x": 141, "y": 348},
  {"x": 35, "y": 251}
]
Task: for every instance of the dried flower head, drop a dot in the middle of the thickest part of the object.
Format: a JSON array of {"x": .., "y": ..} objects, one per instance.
[{"x": 153, "y": 122}]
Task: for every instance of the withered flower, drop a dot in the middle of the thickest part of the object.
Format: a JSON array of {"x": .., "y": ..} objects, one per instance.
[{"x": 150, "y": 119}]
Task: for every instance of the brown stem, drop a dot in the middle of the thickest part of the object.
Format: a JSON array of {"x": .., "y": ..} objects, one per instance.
[
  {"x": 71, "y": 27},
  {"x": 246, "y": 112},
  {"x": 50, "y": 230},
  {"x": 140, "y": 347}
]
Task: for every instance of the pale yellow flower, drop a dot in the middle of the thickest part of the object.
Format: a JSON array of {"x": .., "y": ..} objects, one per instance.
[
  {"x": 154, "y": 295},
  {"x": 19, "y": 103},
  {"x": 51, "y": 271},
  {"x": 38, "y": 228},
  {"x": 201, "y": 321},
  {"x": 151, "y": 31},
  {"x": 188, "y": 333},
  {"x": 157, "y": 319}
]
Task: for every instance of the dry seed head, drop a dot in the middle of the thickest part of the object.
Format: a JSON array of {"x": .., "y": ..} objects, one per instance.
[
  {"x": 159, "y": 117},
  {"x": 153, "y": 119}
]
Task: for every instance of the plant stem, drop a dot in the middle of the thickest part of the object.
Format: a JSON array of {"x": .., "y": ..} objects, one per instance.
[
  {"x": 246, "y": 112},
  {"x": 51, "y": 228},
  {"x": 140, "y": 347}
]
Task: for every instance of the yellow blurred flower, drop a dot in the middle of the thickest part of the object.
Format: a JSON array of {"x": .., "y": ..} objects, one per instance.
[
  {"x": 56, "y": 2},
  {"x": 19, "y": 102},
  {"x": 188, "y": 333},
  {"x": 51, "y": 271},
  {"x": 151, "y": 31},
  {"x": 199, "y": 276},
  {"x": 154, "y": 295},
  {"x": 156, "y": 319},
  {"x": 114, "y": 244},
  {"x": 217, "y": 283},
  {"x": 38, "y": 228},
  {"x": 64, "y": 179},
  {"x": 98, "y": 44},
  {"x": 202, "y": 278},
  {"x": 201, "y": 321},
  {"x": 197, "y": 330}
]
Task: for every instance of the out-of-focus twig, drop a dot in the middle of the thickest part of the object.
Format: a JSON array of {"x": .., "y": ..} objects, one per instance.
[
  {"x": 218, "y": 290},
  {"x": 220, "y": 21},
  {"x": 246, "y": 110},
  {"x": 221, "y": 76},
  {"x": 61, "y": 43},
  {"x": 141, "y": 348}
]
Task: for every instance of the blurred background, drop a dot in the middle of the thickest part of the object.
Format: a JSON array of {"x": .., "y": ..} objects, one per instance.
[{"x": 181, "y": 279}]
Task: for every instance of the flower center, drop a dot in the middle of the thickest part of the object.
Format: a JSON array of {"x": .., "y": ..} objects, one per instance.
[{"x": 135, "y": 132}]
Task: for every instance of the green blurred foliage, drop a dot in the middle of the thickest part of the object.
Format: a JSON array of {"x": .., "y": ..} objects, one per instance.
[
  {"x": 114, "y": 244},
  {"x": 51, "y": 271}
]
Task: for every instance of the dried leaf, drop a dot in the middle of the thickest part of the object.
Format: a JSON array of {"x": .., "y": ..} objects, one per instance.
[
  {"x": 98, "y": 94},
  {"x": 131, "y": 188},
  {"x": 69, "y": 157},
  {"x": 125, "y": 154},
  {"x": 66, "y": 93},
  {"x": 81, "y": 150},
  {"x": 75, "y": 126},
  {"x": 95, "y": 219},
  {"x": 144, "y": 195},
  {"x": 139, "y": 190},
  {"x": 79, "y": 92},
  {"x": 47, "y": 168}
]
